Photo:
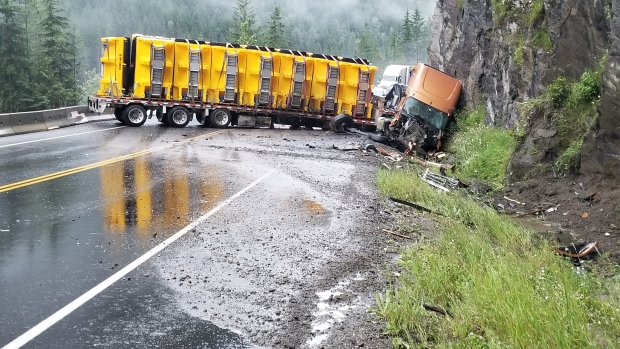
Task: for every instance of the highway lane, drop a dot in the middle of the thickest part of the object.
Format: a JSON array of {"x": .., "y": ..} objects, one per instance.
[
  {"x": 264, "y": 223},
  {"x": 63, "y": 235}
]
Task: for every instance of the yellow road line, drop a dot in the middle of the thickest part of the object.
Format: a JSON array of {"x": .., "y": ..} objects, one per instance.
[{"x": 31, "y": 181}]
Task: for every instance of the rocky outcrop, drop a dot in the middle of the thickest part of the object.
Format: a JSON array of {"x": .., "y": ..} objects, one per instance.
[
  {"x": 602, "y": 144},
  {"x": 501, "y": 66}
]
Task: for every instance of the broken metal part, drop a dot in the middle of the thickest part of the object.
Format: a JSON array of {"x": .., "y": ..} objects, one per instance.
[{"x": 439, "y": 181}]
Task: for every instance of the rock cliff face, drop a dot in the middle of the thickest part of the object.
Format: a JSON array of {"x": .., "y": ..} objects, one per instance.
[{"x": 502, "y": 61}]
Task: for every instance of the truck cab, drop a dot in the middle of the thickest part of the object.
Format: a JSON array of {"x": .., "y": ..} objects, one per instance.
[
  {"x": 424, "y": 111},
  {"x": 393, "y": 74}
]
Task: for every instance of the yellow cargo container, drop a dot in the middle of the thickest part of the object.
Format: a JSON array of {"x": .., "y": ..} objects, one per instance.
[
  {"x": 187, "y": 77},
  {"x": 220, "y": 63},
  {"x": 255, "y": 73},
  {"x": 322, "y": 84},
  {"x": 112, "y": 67},
  {"x": 154, "y": 67},
  {"x": 299, "y": 84},
  {"x": 288, "y": 81}
]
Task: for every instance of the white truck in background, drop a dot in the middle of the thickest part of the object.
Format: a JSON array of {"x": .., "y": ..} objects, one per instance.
[{"x": 393, "y": 74}]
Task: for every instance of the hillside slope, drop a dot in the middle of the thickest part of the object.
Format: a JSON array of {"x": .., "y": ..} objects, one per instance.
[{"x": 508, "y": 54}]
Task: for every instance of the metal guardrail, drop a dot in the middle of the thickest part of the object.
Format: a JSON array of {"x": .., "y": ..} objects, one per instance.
[{"x": 41, "y": 120}]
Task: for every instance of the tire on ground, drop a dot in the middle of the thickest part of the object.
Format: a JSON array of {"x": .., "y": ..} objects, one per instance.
[
  {"x": 340, "y": 123},
  {"x": 118, "y": 114},
  {"x": 134, "y": 115},
  {"x": 220, "y": 118},
  {"x": 178, "y": 116}
]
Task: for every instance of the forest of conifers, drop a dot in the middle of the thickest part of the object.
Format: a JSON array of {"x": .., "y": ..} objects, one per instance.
[{"x": 49, "y": 49}]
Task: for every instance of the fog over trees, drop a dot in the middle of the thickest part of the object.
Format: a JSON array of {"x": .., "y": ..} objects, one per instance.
[{"x": 53, "y": 45}]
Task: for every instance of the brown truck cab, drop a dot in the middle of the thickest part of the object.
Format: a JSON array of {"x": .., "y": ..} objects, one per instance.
[{"x": 425, "y": 110}]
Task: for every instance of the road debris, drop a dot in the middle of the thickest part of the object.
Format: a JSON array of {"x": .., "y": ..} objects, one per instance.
[
  {"x": 436, "y": 310},
  {"x": 441, "y": 182},
  {"x": 578, "y": 251},
  {"x": 513, "y": 200},
  {"x": 396, "y": 234},
  {"x": 416, "y": 206}
]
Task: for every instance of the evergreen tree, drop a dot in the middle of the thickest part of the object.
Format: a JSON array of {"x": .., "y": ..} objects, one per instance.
[
  {"x": 14, "y": 68},
  {"x": 274, "y": 35},
  {"x": 406, "y": 30},
  {"x": 244, "y": 19},
  {"x": 366, "y": 46},
  {"x": 393, "y": 47},
  {"x": 417, "y": 28},
  {"x": 57, "y": 56}
]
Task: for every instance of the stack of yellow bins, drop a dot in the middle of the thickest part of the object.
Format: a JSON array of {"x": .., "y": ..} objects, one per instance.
[
  {"x": 167, "y": 69},
  {"x": 321, "y": 84},
  {"x": 112, "y": 66},
  {"x": 154, "y": 66},
  {"x": 187, "y": 76},
  {"x": 288, "y": 80},
  {"x": 219, "y": 64},
  {"x": 255, "y": 72}
]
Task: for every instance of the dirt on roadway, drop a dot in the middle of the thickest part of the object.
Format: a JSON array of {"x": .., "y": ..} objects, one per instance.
[{"x": 297, "y": 262}]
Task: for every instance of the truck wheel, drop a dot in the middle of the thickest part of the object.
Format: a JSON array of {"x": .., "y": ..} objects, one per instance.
[
  {"x": 220, "y": 118},
  {"x": 340, "y": 123},
  {"x": 118, "y": 114},
  {"x": 164, "y": 119},
  {"x": 134, "y": 115},
  {"x": 178, "y": 117}
]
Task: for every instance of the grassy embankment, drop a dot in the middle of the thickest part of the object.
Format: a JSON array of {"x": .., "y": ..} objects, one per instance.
[{"x": 502, "y": 285}]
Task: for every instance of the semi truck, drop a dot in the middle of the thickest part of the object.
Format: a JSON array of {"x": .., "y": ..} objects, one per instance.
[
  {"x": 418, "y": 115},
  {"x": 222, "y": 84},
  {"x": 392, "y": 75}
]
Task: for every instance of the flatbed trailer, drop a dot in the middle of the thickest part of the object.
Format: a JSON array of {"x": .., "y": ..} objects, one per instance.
[{"x": 223, "y": 84}]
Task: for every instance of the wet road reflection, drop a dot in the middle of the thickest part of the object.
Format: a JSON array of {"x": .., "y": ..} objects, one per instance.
[{"x": 60, "y": 238}]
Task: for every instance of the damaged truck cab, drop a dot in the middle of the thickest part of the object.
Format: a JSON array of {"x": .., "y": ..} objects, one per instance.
[{"x": 424, "y": 112}]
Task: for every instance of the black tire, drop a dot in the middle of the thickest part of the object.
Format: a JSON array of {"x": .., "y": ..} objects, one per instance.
[
  {"x": 295, "y": 124},
  {"x": 178, "y": 117},
  {"x": 134, "y": 115},
  {"x": 118, "y": 114},
  {"x": 379, "y": 138},
  {"x": 164, "y": 119},
  {"x": 340, "y": 123},
  {"x": 220, "y": 118}
]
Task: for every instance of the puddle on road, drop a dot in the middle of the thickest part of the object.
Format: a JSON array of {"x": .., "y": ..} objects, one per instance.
[
  {"x": 313, "y": 208},
  {"x": 148, "y": 197},
  {"x": 330, "y": 310}
]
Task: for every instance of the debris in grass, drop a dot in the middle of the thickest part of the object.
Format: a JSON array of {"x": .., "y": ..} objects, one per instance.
[
  {"x": 436, "y": 310},
  {"x": 416, "y": 206},
  {"x": 396, "y": 234},
  {"x": 439, "y": 181},
  {"x": 513, "y": 200}
]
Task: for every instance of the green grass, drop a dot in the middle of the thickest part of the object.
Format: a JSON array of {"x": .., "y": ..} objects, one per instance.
[
  {"x": 503, "y": 285},
  {"x": 482, "y": 151}
]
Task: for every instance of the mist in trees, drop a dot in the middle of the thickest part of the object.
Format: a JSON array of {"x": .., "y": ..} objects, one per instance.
[
  {"x": 50, "y": 49},
  {"x": 39, "y": 56}
]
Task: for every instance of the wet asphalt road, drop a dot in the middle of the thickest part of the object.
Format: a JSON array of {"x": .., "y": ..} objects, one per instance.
[{"x": 79, "y": 204}]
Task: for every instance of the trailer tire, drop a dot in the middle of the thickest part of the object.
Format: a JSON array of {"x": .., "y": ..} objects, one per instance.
[
  {"x": 118, "y": 114},
  {"x": 220, "y": 118},
  {"x": 178, "y": 117},
  {"x": 134, "y": 115},
  {"x": 379, "y": 138},
  {"x": 164, "y": 119},
  {"x": 340, "y": 123}
]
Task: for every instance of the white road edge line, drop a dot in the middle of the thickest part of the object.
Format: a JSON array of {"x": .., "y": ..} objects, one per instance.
[
  {"x": 69, "y": 308},
  {"x": 47, "y": 139}
]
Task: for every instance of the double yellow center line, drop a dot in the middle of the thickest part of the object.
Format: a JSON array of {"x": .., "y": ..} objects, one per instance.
[{"x": 31, "y": 181}]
